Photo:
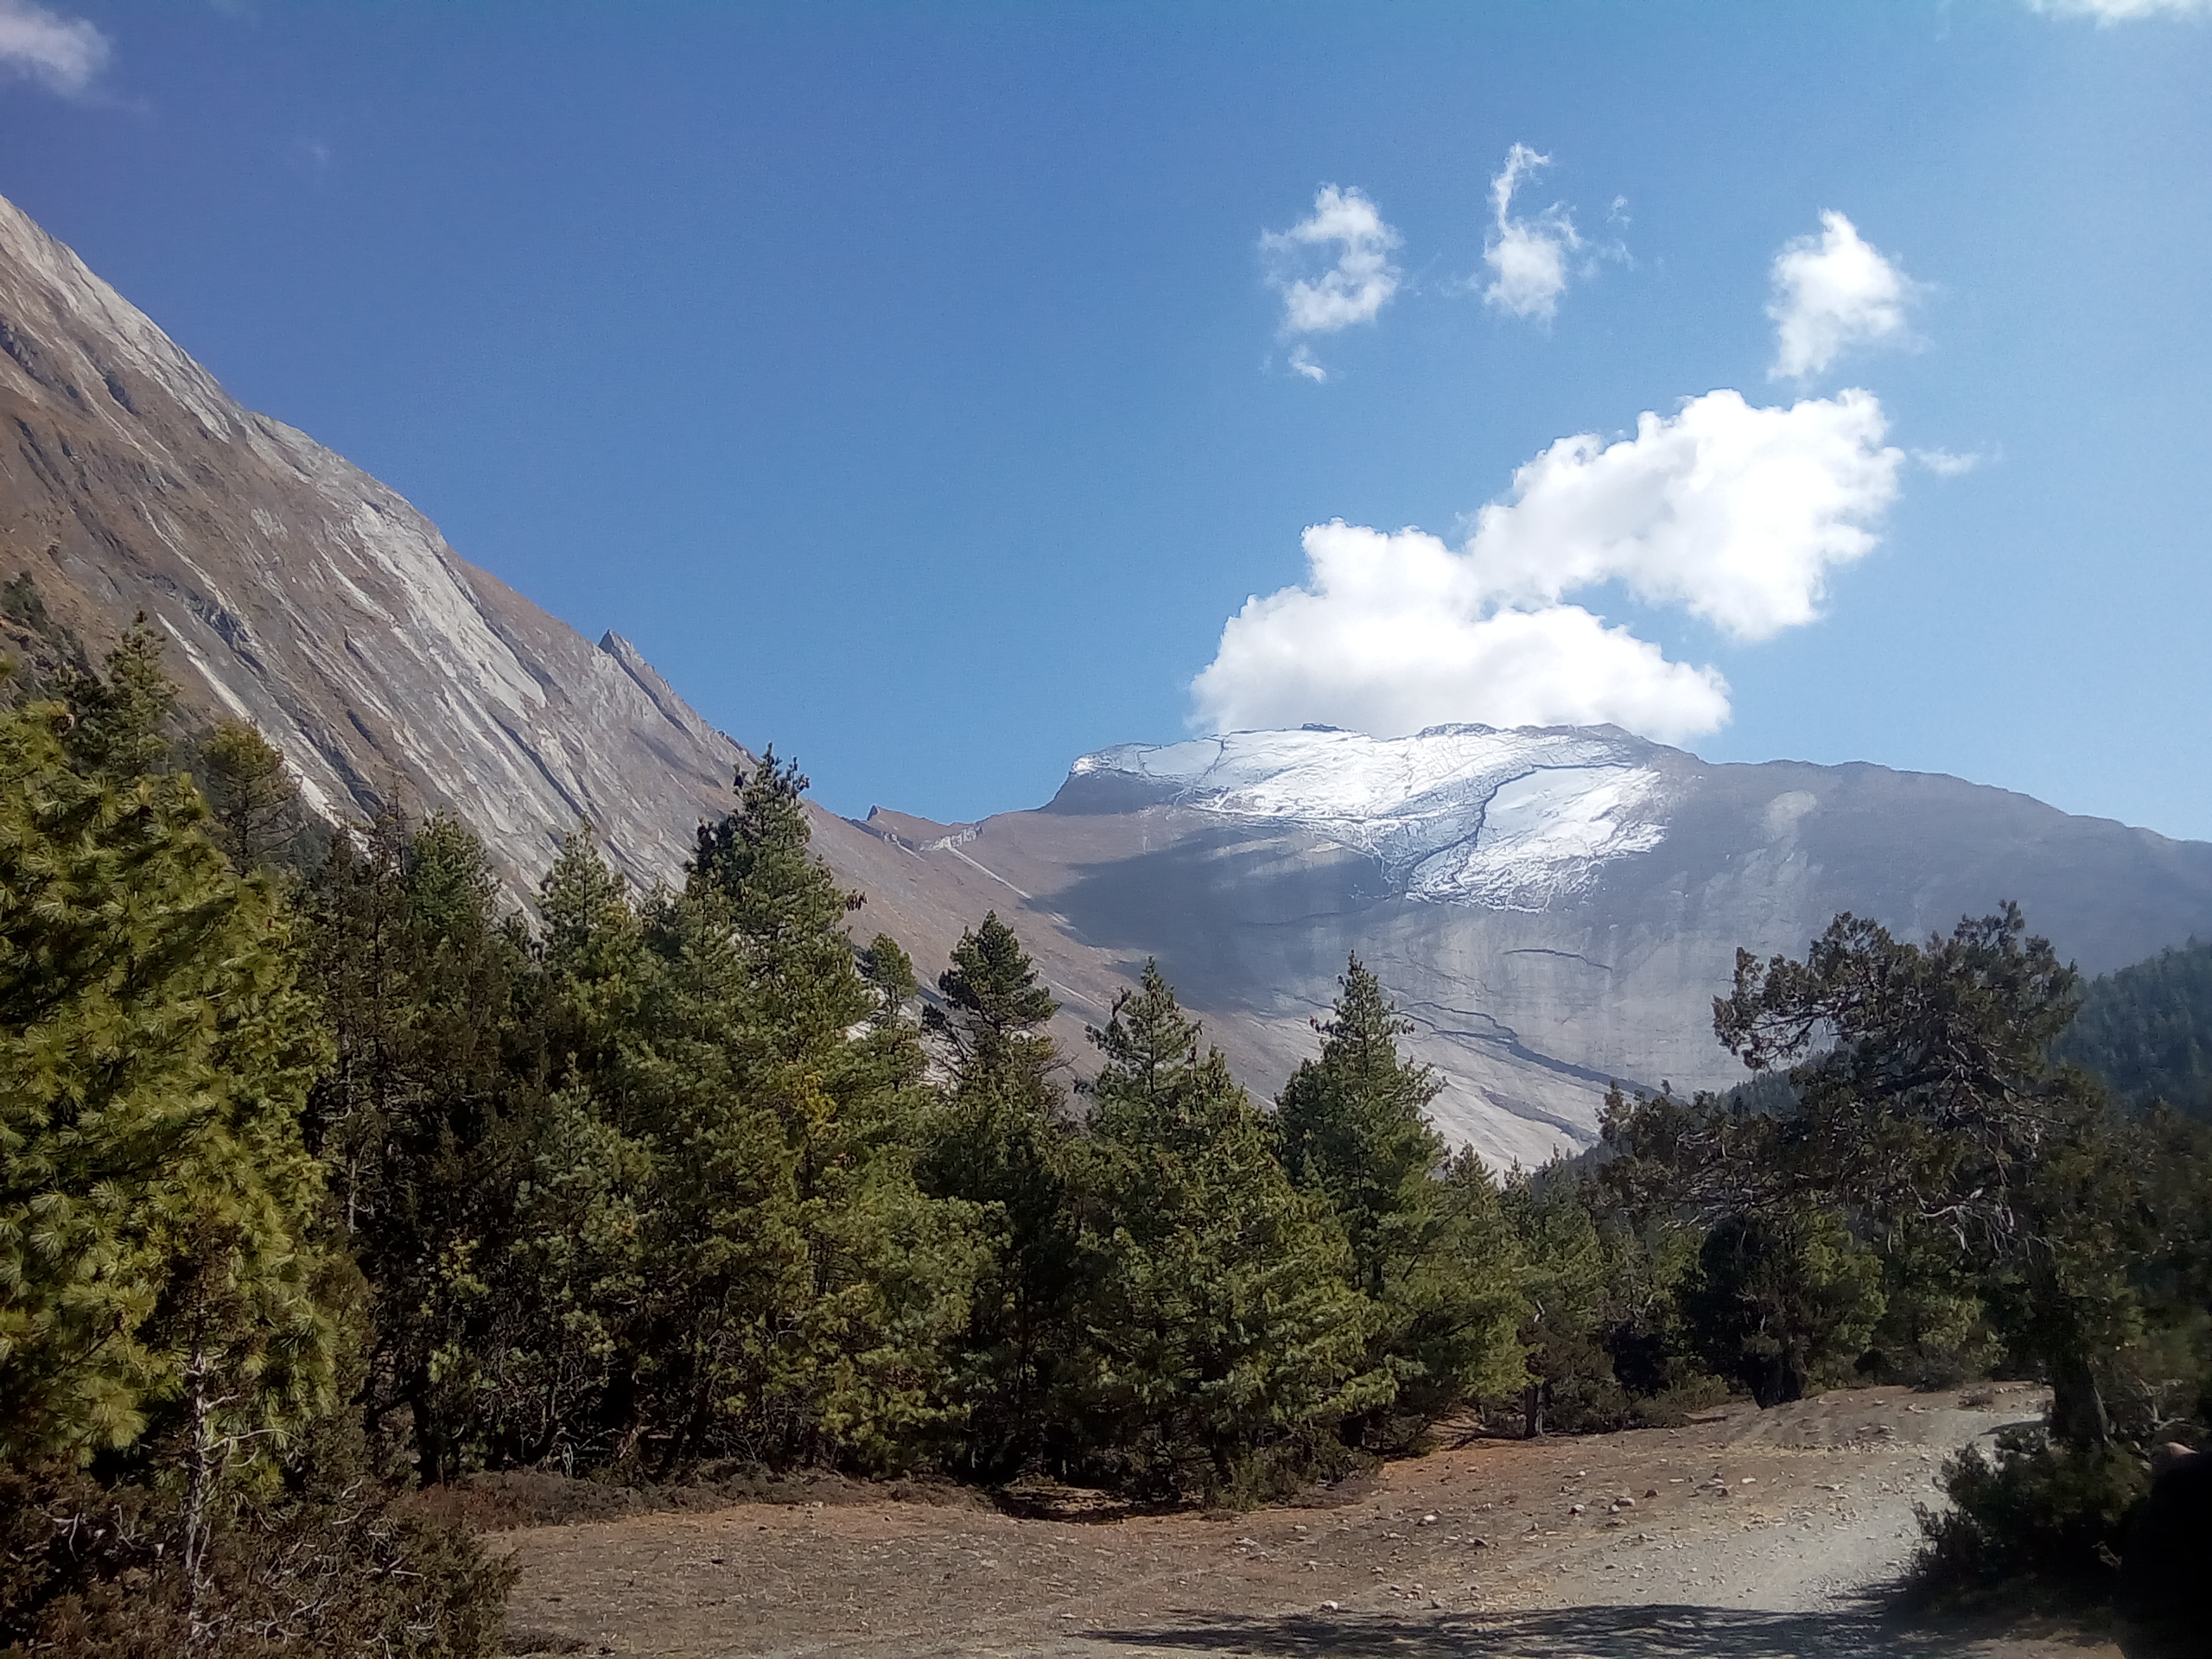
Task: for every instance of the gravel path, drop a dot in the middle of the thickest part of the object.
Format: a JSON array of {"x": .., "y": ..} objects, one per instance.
[{"x": 1745, "y": 1535}]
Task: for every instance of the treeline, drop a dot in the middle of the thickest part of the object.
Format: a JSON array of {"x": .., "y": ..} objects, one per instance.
[
  {"x": 2146, "y": 1030},
  {"x": 326, "y": 1177}
]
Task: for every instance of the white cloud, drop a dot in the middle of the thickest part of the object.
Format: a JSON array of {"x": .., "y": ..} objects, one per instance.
[
  {"x": 65, "y": 53},
  {"x": 1946, "y": 463},
  {"x": 2121, "y": 11},
  {"x": 1732, "y": 512},
  {"x": 1357, "y": 647},
  {"x": 1353, "y": 289},
  {"x": 1831, "y": 292},
  {"x": 1528, "y": 256},
  {"x": 1301, "y": 362}
]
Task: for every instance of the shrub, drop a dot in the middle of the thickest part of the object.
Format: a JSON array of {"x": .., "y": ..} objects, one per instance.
[
  {"x": 2040, "y": 1513},
  {"x": 90, "y": 1572}
]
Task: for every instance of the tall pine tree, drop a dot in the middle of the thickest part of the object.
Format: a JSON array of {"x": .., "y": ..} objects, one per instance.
[
  {"x": 1225, "y": 1340},
  {"x": 157, "y": 1207},
  {"x": 1433, "y": 1254},
  {"x": 1003, "y": 1141}
]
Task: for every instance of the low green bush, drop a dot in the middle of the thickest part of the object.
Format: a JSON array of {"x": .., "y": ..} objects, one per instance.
[{"x": 2038, "y": 1513}]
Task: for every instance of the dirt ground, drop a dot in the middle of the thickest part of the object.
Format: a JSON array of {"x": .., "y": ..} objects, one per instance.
[{"x": 1747, "y": 1534}]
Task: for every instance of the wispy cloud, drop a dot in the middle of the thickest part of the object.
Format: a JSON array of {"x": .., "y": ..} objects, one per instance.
[
  {"x": 2107, "y": 12},
  {"x": 1831, "y": 292},
  {"x": 65, "y": 54},
  {"x": 1731, "y": 512},
  {"x": 1352, "y": 288},
  {"x": 1947, "y": 463},
  {"x": 1528, "y": 257}
]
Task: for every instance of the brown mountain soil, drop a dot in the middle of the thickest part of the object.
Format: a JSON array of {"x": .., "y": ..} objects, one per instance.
[{"x": 1750, "y": 1533}]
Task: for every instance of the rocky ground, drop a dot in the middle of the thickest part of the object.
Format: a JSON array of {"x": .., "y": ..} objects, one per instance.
[{"x": 1747, "y": 1534}]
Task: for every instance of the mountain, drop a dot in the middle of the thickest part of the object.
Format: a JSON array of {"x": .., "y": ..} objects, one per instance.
[
  {"x": 1554, "y": 909},
  {"x": 302, "y": 594}
]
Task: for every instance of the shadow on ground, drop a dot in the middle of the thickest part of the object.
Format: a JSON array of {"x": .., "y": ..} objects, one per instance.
[{"x": 1654, "y": 1631}]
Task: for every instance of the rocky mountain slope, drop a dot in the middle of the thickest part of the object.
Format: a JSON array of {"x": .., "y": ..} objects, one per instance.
[
  {"x": 1555, "y": 909},
  {"x": 302, "y": 594}
]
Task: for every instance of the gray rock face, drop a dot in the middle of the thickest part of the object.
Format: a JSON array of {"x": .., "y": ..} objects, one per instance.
[
  {"x": 299, "y": 593},
  {"x": 1554, "y": 909}
]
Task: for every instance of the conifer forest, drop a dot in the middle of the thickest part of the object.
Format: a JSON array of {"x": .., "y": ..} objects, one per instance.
[{"x": 328, "y": 1180}]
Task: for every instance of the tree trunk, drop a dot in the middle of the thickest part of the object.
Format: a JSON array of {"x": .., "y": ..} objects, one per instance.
[
  {"x": 2078, "y": 1417},
  {"x": 200, "y": 1477}
]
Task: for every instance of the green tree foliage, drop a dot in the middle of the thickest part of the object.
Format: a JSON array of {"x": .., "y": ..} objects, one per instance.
[
  {"x": 341, "y": 1569},
  {"x": 1223, "y": 1338},
  {"x": 1570, "y": 1382},
  {"x": 1355, "y": 1127},
  {"x": 426, "y": 1115},
  {"x": 1785, "y": 1302},
  {"x": 1430, "y": 1246},
  {"x": 744, "y": 1266},
  {"x": 1923, "y": 1083},
  {"x": 114, "y": 731},
  {"x": 2146, "y": 1030},
  {"x": 1001, "y": 1141},
  {"x": 2005, "y": 1200},
  {"x": 1922, "y": 1102},
  {"x": 155, "y": 1052},
  {"x": 254, "y": 809}
]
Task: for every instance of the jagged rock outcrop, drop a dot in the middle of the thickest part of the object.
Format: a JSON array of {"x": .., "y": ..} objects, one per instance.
[{"x": 302, "y": 594}]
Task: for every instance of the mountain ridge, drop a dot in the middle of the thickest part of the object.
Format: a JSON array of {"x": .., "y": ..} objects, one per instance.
[{"x": 1552, "y": 907}]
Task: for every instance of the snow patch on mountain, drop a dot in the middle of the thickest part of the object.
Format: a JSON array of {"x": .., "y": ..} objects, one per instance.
[{"x": 1514, "y": 820}]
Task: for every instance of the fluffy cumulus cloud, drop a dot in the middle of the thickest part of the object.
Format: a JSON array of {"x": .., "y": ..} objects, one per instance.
[
  {"x": 1528, "y": 257},
  {"x": 65, "y": 54},
  {"x": 1353, "y": 288},
  {"x": 2122, "y": 11},
  {"x": 1732, "y": 512},
  {"x": 1831, "y": 292}
]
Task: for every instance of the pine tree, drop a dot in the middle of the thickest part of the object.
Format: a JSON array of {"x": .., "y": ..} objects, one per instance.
[
  {"x": 806, "y": 1294},
  {"x": 428, "y": 1113},
  {"x": 1354, "y": 1126},
  {"x": 580, "y": 1278},
  {"x": 1433, "y": 1253},
  {"x": 114, "y": 729},
  {"x": 1926, "y": 1099},
  {"x": 154, "y": 1053},
  {"x": 1225, "y": 1340},
  {"x": 256, "y": 818},
  {"x": 1781, "y": 1298},
  {"x": 1003, "y": 1141},
  {"x": 1564, "y": 1267}
]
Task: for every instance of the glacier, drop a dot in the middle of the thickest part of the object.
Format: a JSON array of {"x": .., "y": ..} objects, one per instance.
[{"x": 1470, "y": 814}]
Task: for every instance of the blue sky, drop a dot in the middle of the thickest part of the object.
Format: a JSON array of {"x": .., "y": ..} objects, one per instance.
[{"x": 914, "y": 384}]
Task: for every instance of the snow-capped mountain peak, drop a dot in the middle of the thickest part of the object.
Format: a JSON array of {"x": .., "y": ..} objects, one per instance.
[{"x": 1508, "y": 819}]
